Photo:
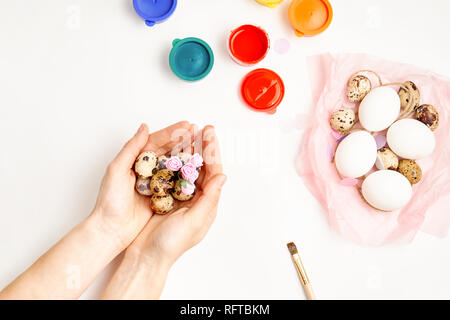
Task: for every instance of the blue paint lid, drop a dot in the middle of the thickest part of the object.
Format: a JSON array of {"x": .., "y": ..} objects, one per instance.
[{"x": 154, "y": 11}]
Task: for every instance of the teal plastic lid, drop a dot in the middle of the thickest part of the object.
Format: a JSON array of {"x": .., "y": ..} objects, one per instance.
[{"x": 191, "y": 59}]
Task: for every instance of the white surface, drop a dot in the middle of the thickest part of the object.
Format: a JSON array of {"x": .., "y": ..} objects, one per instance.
[{"x": 78, "y": 76}]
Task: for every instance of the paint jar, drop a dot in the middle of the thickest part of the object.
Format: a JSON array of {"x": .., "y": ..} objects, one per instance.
[
  {"x": 153, "y": 11},
  {"x": 270, "y": 3},
  {"x": 310, "y": 17},
  {"x": 262, "y": 90},
  {"x": 248, "y": 44},
  {"x": 191, "y": 59}
]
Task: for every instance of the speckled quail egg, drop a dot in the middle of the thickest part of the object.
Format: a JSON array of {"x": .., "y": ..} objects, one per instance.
[
  {"x": 342, "y": 120},
  {"x": 162, "y": 204},
  {"x": 428, "y": 115},
  {"x": 161, "y": 164},
  {"x": 404, "y": 95},
  {"x": 162, "y": 182},
  {"x": 411, "y": 170},
  {"x": 143, "y": 186},
  {"x": 358, "y": 87},
  {"x": 386, "y": 160},
  {"x": 145, "y": 164},
  {"x": 184, "y": 156},
  {"x": 179, "y": 195}
]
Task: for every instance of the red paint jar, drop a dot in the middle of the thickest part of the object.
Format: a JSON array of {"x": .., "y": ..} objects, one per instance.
[
  {"x": 248, "y": 44},
  {"x": 262, "y": 90}
]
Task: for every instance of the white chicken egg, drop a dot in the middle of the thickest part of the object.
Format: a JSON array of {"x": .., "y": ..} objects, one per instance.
[
  {"x": 379, "y": 109},
  {"x": 356, "y": 154},
  {"x": 410, "y": 139},
  {"x": 386, "y": 190}
]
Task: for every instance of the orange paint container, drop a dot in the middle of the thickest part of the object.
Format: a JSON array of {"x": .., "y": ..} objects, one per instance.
[{"x": 310, "y": 17}]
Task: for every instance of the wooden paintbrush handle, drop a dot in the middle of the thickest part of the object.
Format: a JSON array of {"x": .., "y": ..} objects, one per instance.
[{"x": 309, "y": 292}]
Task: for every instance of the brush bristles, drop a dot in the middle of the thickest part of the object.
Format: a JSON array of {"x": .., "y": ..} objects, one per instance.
[{"x": 292, "y": 248}]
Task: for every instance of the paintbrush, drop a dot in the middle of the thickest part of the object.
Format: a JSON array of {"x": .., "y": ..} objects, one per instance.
[{"x": 301, "y": 271}]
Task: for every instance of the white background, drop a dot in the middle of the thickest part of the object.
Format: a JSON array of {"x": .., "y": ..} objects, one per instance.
[{"x": 77, "y": 77}]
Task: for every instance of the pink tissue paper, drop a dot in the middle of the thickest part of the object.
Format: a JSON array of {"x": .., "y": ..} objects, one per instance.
[{"x": 347, "y": 212}]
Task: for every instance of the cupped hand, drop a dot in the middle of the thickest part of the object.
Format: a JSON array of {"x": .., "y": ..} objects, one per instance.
[
  {"x": 122, "y": 211},
  {"x": 166, "y": 237}
]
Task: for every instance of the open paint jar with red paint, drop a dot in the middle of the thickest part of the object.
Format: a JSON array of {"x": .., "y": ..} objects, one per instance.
[{"x": 248, "y": 44}]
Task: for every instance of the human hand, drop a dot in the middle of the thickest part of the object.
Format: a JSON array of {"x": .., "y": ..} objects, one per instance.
[
  {"x": 120, "y": 209},
  {"x": 166, "y": 237},
  {"x": 119, "y": 215}
]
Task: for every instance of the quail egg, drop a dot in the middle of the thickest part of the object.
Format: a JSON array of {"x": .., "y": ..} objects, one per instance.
[
  {"x": 178, "y": 191},
  {"x": 386, "y": 160},
  {"x": 411, "y": 170},
  {"x": 162, "y": 204},
  {"x": 428, "y": 115},
  {"x": 184, "y": 156},
  {"x": 143, "y": 186},
  {"x": 162, "y": 182},
  {"x": 161, "y": 164},
  {"x": 145, "y": 164},
  {"x": 342, "y": 120},
  {"x": 358, "y": 87},
  {"x": 404, "y": 95}
]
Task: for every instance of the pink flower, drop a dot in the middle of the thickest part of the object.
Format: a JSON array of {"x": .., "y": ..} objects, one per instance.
[
  {"x": 189, "y": 172},
  {"x": 196, "y": 160},
  {"x": 174, "y": 163},
  {"x": 187, "y": 188}
]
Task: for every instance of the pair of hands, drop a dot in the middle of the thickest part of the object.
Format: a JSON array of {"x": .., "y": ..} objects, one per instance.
[
  {"x": 122, "y": 219},
  {"x": 127, "y": 215}
]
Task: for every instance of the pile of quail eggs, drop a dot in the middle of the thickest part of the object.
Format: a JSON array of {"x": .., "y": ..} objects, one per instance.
[
  {"x": 408, "y": 127},
  {"x": 166, "y": 179}
]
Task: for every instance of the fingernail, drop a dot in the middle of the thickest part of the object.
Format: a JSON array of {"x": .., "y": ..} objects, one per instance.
[
  {"x": 209, "y": 132},
  {"x": 140, "y": 128},
  {"x": 222, "y": 180}
]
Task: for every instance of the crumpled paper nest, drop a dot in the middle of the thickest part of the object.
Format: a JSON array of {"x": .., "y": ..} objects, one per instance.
[{"x": 347, "y": 212}]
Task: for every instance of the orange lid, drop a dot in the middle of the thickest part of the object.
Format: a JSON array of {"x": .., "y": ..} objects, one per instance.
[
  {"x": 263, "y": 90},
  {"x": 310, "y": 17}
]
